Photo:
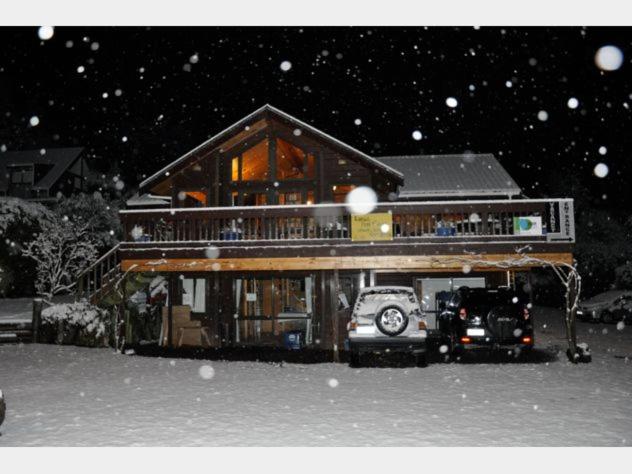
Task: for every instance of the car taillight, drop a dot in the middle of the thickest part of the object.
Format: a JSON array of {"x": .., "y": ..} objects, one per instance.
[
  {"x": 353, "y": 325},
  {"x": 463, "y": 314},
  {"x": 526, "y": 314},
  {"x": 422, "y": 325},
  {"x": 465, "y": 340},
  {"x": 527, "y": 340}
]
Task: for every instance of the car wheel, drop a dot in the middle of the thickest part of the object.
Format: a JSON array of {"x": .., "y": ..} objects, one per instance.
[
  {"x": 354, "y": 359},
  {"x": 607, "y": 317},
  {"x": 420, "y": 360},
  {"x": 392, "y": 320}
]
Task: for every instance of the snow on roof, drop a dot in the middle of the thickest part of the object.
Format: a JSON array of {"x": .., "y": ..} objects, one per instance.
[
  {"x": 286, "y": 116},
  {"x": 59, "y": 158},
  {"x": 436, "y": 176},
  {"x": 148, "y": 200}
]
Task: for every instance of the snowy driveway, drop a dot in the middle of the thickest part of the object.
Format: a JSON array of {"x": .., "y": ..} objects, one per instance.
[{"x": 77, "y": 396}]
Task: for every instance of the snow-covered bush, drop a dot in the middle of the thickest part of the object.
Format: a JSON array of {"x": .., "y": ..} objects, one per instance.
[
  {"x": 19, "y": 221},
  {"x": 61, "y": 251},
  {"x": 81, "y": 323}
]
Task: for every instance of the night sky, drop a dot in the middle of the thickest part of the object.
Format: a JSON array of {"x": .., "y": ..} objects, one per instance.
[{"x": 140, "y": 97}]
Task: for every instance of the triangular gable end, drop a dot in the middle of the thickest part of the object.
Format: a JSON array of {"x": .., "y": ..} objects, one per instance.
[{"x": 250, "y": 125}]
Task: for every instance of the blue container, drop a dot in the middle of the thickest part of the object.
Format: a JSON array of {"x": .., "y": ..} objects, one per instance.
[
  {"x": 446, "y": 231},
  {"x": 293, "y": 340},
  {"x": 230, "y": 235}
]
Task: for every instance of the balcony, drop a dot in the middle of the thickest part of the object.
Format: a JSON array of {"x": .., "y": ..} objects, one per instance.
[{"x": 428, "y": 228}]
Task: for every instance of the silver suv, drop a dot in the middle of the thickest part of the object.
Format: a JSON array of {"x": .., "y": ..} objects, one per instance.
[{"x": 387, "y": 319}]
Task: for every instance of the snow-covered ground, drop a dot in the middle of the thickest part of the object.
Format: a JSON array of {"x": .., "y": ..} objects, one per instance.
[
  {"x": 16, "y": 310},
  {"x": 75, "y": 396}
]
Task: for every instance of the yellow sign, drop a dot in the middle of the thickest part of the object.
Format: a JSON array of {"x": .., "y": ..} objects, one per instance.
[{"x": 378, "y": 226}]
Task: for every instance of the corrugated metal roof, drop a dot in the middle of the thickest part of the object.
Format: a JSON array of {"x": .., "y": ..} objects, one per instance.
[
  {"x": 437, "y": 176},
  {"x": 60, "y": 158}
]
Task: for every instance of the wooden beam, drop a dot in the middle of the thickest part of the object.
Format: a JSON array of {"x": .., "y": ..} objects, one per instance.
[{"x": 423, "y": 263}]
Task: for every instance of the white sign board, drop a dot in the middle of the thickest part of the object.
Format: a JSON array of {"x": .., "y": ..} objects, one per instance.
[{"x": 528, "y": 225}]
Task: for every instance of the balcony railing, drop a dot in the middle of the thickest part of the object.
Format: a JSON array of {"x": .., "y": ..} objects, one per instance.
[{"x": 484, "y": 220}]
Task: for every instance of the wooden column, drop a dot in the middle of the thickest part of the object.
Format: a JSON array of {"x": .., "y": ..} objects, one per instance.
[
  {"x": 172, "y": 298},
  {"x": 37, "y": 316},
  {"x": 334, "y": 283},
  {"x": 571, "y": 318}
]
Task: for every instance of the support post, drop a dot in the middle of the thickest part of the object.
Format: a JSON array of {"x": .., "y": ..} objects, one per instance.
[
  {"x": 334, "y": 287},
  {"x": 571, "y": 317},
  {"x": 37, "y": 317},
  {"x": 172, "y": 298},
  {"x": 122, "y": 322}
]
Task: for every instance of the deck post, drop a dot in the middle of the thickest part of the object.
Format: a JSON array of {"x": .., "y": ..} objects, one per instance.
[
  {"x": 37, "y": 317},
  {"x": 334, "y": 288},
  {"x": 172, "y": 296}
]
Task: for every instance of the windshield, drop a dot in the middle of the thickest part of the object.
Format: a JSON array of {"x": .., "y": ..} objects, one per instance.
[
  {"x": 484, "y": 301},
  {"x": 385, "y": 295}
]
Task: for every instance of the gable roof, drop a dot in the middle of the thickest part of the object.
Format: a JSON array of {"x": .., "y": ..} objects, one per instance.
[
  {"x": 60, "y": 158},
  {"x": 239, "y": 125},
  {"x": 439, "y": 176}
]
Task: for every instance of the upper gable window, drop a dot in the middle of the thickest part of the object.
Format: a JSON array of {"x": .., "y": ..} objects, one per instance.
[
  {"x": 254, "y": 164},
  {"x": 292, "y": 162},
  {"x": 21, "y": 174}
]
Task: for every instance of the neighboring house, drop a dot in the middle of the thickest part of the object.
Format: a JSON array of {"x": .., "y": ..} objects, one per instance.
[
  {"x": 256, "y": 240},
  {"x": 42, "y": 174}
]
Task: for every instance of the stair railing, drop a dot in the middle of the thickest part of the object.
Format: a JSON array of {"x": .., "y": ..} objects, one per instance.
[{"x": 95, "y": 280}]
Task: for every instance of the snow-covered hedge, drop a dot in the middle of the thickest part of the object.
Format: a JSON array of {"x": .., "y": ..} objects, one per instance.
[{"x": 82, "y": 324}]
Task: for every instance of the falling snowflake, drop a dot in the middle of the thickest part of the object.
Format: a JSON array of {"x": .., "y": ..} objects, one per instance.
[
  {"x": 286, "y": 66},
  {"x": 361, "y": 200},
  {"x": 206, "y": 372},
  {"x": 572, "y": 103},
  {"x": 451, "y": 102},
  {"x": 211, "y": 252},
  {"x": 357, "y": 122},
  {"x": 603, "y": 150},
  {"x": 333, "y": 383},
  {"x": 417, "y": 135},
  {"x": 34, "y": 121},
  {"x": 601, "y": 170},
  {"x": 609, "y": 58},
  {"x": 81, "y": 69},
  {"x": 543, "y": 115},
  {"x": 620, "y": 325},
  {"x": 46, "y": 32}
]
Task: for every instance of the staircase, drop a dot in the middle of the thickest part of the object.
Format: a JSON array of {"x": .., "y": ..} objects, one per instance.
[
  {"x": 12, "y": 331},
  {"x": 99, "y": 279}
]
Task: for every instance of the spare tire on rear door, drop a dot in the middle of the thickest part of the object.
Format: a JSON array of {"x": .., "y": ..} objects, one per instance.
[{"x": 392, "y": 320}]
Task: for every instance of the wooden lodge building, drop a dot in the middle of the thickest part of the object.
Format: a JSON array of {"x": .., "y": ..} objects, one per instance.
[{"x": 253, "y": 233}]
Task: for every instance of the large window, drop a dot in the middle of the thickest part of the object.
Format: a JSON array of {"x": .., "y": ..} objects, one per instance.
[
  {"x": 252, "y": 165},
  {"x": 292, "y": 162},
  {"x": 194, "y": 294}
]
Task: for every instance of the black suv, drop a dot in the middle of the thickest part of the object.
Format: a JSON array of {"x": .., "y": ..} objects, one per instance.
[{"x": 483, "y": 318}]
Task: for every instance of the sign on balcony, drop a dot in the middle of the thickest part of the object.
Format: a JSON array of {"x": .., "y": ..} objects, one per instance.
[
  {"x": 528, "y": 225},
  {"x": 370, "y": 227}
]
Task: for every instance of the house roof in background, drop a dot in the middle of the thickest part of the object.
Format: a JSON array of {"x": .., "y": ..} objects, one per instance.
[
  {"x": 60, "y": 158},
  {"x": 439, "y": 176}
]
